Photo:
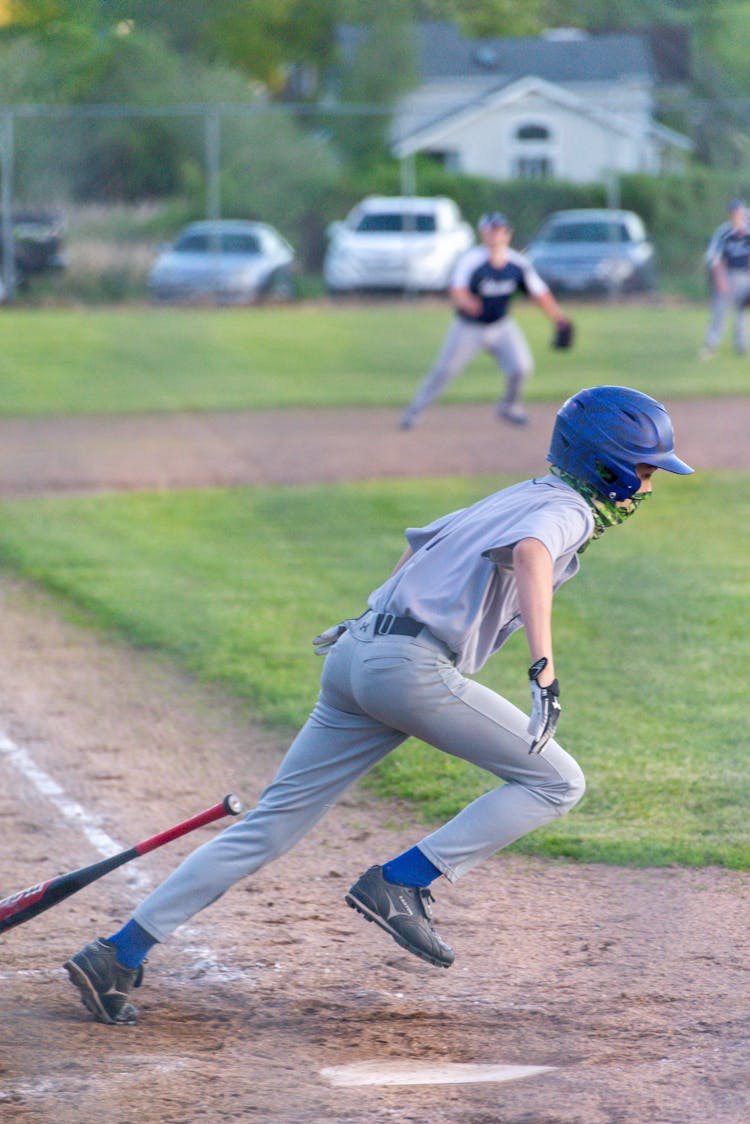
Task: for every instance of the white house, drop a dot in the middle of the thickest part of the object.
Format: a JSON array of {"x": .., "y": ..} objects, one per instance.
[{"x": 567, "y": 105}]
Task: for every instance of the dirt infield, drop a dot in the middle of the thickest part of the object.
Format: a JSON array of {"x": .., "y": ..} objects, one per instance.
[
  {"x": 631, "y": 984},
  {"x": 194, "y": 450}
]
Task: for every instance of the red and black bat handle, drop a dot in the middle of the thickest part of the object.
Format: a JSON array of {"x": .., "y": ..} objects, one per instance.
[{"x": 24, "y": 905}]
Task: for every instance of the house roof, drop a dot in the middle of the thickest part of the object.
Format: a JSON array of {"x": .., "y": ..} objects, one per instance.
[
  {"x": 431, "y": 131},
  {"x": 443, "y": 52}
]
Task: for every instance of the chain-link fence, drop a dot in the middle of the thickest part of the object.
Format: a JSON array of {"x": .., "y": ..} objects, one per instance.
[{"x": 90, "y": 193}]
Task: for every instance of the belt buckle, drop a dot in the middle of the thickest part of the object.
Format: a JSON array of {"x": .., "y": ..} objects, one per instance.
[{"x": 385, "y": 624}]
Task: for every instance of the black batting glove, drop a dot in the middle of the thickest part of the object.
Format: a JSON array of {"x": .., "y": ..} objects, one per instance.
[{"x": 545, "y": 708}]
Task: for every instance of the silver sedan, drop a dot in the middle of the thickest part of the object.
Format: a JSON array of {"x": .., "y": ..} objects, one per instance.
[{"x": 228, "y": 261}]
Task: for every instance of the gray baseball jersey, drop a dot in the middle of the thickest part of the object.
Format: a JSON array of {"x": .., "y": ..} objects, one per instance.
[
  {"x": 460, "y": 581},
  {"x": 376, "y": 690}
]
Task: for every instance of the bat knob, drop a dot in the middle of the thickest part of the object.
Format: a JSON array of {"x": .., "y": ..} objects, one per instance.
[{"x": 233, "y": 804}]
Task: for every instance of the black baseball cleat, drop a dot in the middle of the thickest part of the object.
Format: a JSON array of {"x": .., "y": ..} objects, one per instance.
[
  {"x": 103, "y": 982},
  {"x": 408, "y": 419},
  {"x": 514, "y": 414},
  {"x": 403, "y": 911}
]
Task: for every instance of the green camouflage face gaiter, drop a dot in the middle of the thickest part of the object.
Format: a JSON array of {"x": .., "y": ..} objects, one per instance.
[{"x": 606, "y": 512}]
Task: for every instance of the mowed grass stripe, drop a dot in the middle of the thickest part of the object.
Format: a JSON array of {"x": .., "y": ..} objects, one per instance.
[{"x": 79, "y": 361}]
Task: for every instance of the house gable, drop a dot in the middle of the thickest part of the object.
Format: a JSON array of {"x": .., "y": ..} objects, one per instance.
[
  {"x": 566, "y": 104},
  {"x": 534, "y": 128}
]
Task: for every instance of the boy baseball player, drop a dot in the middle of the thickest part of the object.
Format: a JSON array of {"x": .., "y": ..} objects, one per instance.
[
  {"x": 463, "y": 585},
  {"x": 484, "y": 282},
  {"x": 728, "y": 261}
]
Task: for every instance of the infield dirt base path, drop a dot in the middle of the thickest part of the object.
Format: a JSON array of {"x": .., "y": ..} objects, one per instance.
[
  {"x": 196, "y": 450},
  {"x": 631, "y": 984}
]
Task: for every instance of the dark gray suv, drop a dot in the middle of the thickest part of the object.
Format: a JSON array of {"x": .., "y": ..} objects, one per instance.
[{"x": 593, "y": 251}]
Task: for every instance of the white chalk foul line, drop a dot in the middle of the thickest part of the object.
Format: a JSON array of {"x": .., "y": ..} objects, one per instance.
[
  {"x": 32, "y": 973},
  {"x": 68, "y": 808},
  {"x": 46, "y": 1087},
  {"x": 84, "y": 821},
  {"x": 389, "y": 1072}
]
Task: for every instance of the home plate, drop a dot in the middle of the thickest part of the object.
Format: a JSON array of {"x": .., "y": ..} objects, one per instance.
[{"x": 426, "y": 1073}]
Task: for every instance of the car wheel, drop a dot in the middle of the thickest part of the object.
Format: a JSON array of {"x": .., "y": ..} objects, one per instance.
[
  {"x": 647, "y": 279},
  {"x": 280, "y": 286}
]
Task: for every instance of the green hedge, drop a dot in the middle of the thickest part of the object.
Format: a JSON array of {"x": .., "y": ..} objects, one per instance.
[{"x": 680, "y": 211}]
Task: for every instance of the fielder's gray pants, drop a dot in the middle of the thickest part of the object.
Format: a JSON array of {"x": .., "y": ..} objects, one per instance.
[
  {"x": 375, "y": 692},
  {"x": 739, "y": 291},
  {"x": 503, "y": 339}
]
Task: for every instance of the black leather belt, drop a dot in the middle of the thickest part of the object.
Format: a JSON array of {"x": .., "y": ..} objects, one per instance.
[{"x": 387, "y": 624}]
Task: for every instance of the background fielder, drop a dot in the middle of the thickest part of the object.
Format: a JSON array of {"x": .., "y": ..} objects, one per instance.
[
  {"x": 728, "y": 261},
  {"x": 484, "y": 281},
  {"x": 465, "y": 583}
]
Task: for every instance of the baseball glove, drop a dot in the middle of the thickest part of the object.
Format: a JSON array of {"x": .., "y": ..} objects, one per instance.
[{"x": 564, "y": 334}]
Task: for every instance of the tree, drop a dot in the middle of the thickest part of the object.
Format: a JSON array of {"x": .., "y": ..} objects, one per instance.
[
  {"x": 264, "y": 38},
  {"x": 702, "y": 16},
  {"x": 260, "y": 38},
  {"x": 491, "y": 18},
  {"x": 380, "y": 70},
  {"x": 43, "y": 15}
]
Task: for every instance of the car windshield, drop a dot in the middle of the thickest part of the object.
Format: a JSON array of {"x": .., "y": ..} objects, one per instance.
[
  {"x": 228, "y": 243},
  {"x": 590, "y": 232},
  {"x": 395, "y": 223}
]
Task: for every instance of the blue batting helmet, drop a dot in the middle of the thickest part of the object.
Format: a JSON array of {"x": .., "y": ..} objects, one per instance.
[{"x": 602, "y": 433}]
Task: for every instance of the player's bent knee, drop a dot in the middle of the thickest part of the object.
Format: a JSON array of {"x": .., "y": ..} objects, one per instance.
[
  {"x": 564, "y": 789},
  {"x": 575, "y": 787}
]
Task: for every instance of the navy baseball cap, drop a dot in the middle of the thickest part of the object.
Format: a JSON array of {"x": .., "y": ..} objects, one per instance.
[
  {"x": 493, "y": 218},
  {"x": 735, "y": 204}
]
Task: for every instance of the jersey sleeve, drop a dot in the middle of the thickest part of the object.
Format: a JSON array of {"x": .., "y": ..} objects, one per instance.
[
  {"x": 532, "y": 282},
  {"x": 465, "y": 267},
  {"x": 715, "y": 249}
]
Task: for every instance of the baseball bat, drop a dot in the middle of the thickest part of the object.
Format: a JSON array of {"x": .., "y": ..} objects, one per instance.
[{"x": 20, "y": 907}]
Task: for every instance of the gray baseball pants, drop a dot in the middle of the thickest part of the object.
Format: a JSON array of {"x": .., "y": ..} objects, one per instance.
[
  {"x": 739, "y": 291},
  {"x": 375, "y": 692},
  {"x": 503, "y": 339}
]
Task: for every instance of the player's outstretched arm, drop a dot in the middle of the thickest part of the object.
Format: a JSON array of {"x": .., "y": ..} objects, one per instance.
[
  {"x": 533, "y": 567},
  {"x": 564, "y": 328},
  {"x": 549, "y": 305}
]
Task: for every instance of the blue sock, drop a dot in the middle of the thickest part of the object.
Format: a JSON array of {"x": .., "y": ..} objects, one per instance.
[
  {"x": 413, "y": 868},
  {"x": 132, "y": 944}
]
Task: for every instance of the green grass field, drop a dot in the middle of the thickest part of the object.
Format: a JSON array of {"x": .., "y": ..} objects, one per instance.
[
  {"x": 70, "y": 361},
  {"x": 651, "y": 638}
]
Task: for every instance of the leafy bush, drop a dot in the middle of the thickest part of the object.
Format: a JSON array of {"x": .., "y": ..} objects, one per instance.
[{"x": 681, "y": 212}]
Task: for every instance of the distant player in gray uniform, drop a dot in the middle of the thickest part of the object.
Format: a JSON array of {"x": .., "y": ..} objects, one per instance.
[
  {"x": 483, "y": 284},
  {"x": 464, "y": 584},
  {"x": 728, "y": 262}
]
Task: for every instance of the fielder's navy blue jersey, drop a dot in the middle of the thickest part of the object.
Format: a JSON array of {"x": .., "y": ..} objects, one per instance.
[
  {"x": 731, "y": 247},
  {"x": 495, "y": 286}
]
